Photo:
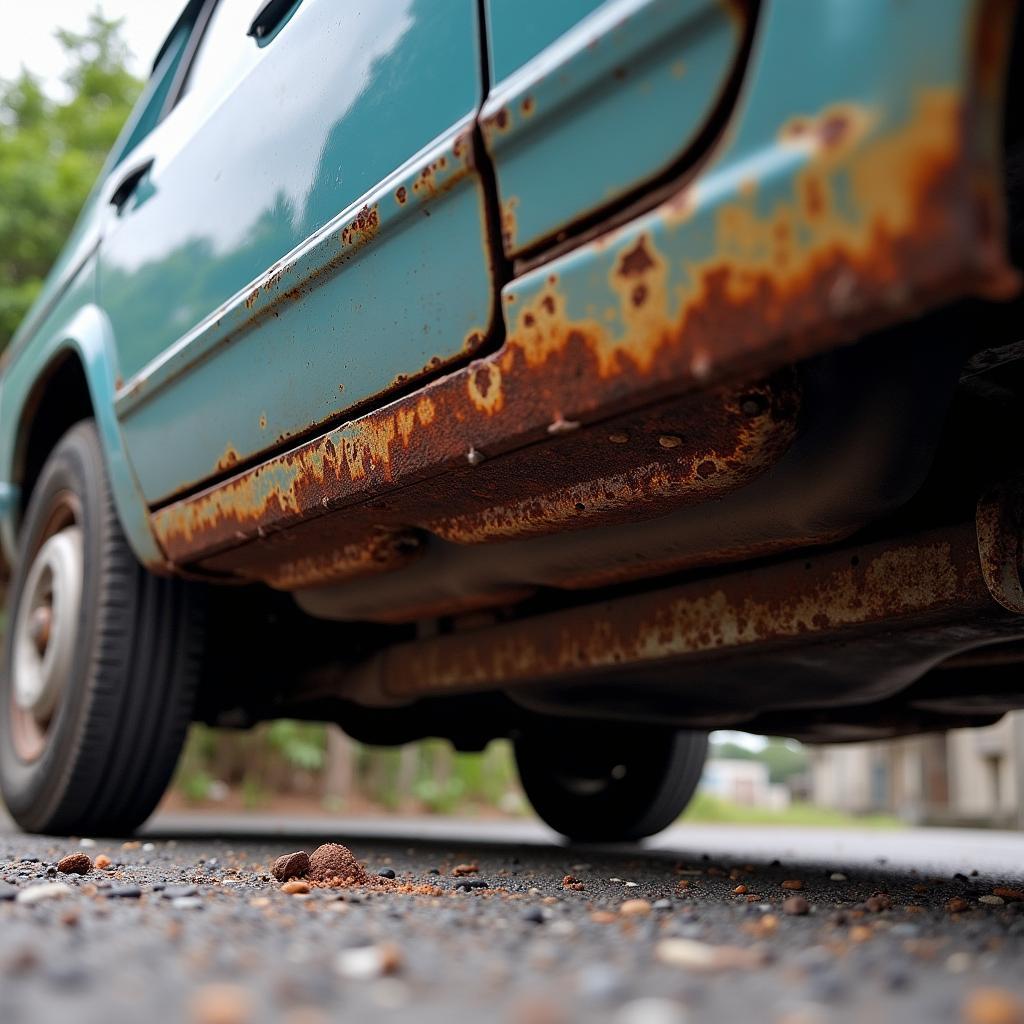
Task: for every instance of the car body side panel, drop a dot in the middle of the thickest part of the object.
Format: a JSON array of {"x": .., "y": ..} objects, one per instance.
[
  {"x": 313, "y": 242},
  {"x": 850, "y": 192},
  {"x": 615, "y": 101}
]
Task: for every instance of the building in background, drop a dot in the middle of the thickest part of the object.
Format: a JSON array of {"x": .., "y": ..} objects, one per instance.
[
  {"x": 744, "y": 782},
  {"x": 964, "y": 777}
]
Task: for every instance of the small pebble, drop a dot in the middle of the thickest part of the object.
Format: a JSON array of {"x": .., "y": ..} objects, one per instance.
[
  {"x": 366, "y": 962},
  {"x": 46, "y": 891},
  {"x": 75, "y": 864},
  {"x": 124, "y": 892},
  {"x": 175, "y": 892},
  {"x": 291, "y": 865},
  {"x": 959, "y": 963},
  {"x": 386, "y": 873},
  {"x": 635, "y": 908},
  {"x": 1014, "y": 895},
  {"x": 993, "y": 1006},
  {"x": 796, "y": 905}
]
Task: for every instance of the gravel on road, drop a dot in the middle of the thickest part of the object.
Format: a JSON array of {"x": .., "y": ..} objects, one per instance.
[{"x": 179, "y": 927}]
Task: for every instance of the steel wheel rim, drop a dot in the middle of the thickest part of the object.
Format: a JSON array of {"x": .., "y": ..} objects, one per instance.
[{"x": 45, "y": 630}]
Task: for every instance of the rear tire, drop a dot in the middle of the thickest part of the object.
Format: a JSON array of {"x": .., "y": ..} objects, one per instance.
[
  {"x": 100, "y": 659},
  {"x": 598, "y": 782}
]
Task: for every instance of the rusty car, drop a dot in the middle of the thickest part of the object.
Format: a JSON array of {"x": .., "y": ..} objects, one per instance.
[{"x": 590, "y": 374}]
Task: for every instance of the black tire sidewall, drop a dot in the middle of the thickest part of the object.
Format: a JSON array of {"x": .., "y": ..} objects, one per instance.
[
  {"x": 33, "y": 790},
  {"x": 663, "y": 770}
]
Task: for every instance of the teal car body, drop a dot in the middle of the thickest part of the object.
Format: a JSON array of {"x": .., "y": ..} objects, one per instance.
[
  {"x": 591, "y": 374},
  {"x": 340, "y": 259}
]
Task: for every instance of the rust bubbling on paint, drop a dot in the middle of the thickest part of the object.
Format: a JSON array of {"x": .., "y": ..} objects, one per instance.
[{"x": 362, "y": 229}]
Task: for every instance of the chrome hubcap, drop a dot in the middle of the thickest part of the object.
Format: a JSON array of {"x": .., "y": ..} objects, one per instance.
[{"x": 45, "y": 630}]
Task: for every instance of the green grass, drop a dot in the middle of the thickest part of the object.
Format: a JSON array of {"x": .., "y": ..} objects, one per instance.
[{"x": 705, "y": 808}]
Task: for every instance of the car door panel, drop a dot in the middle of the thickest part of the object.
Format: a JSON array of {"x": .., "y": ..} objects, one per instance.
[
  {"x": 318, "y": 241},
  {"x": 592, "y": 100}
]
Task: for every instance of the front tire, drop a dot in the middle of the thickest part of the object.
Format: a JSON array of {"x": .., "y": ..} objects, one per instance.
[
  {"x": 100, "y": 659},
  {"x": 601, "y": 782}
]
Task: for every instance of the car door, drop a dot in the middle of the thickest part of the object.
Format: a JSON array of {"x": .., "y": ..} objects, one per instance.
[
  {"x": 303, "y": 234},
  {"x": 594, "y": 101}
]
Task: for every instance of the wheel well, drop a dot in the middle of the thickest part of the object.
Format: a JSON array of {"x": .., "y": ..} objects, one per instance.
[{"x": 60, "y": 400}]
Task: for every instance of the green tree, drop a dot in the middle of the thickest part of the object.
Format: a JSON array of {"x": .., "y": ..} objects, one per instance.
[{"x": 51, "y": 150}]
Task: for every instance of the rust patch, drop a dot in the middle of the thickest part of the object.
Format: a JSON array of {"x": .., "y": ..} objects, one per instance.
[
  {"x": 508, "y": 222},
  {"x": 495, "y": 124},
  {"x": 636, "y": 261},
  {"x": 228, "y": 459},
  {"x": 362, "y": 229},
  {"x": 381, "y": 551},
  {"x": 401, "y": 195}
]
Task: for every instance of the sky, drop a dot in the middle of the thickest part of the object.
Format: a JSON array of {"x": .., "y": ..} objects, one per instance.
[{"x": 28, "y": 36}]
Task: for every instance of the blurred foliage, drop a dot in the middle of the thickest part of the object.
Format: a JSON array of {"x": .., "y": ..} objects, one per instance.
[
  {"x": 294, "y": 759},
  {"x": 51, "y": 151},
  {"x": 301, "y": 744}
]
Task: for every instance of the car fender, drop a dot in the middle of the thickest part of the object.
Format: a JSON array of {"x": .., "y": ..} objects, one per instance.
[{"x": 86, "y": 333}]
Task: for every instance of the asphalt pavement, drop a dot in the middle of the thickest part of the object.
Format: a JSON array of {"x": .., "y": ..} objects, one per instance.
[{"x": 499, "y": 921}]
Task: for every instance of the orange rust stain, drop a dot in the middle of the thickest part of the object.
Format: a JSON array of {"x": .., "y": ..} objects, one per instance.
[
  {"x": 483, "y": 385},
  {"x": 832, "y": 133},
  {"x": 383, "y": 551},
  {"x": 401, "y": 195},
  {"x": 263, "y": 421},
  {"x": 362, "y": 229},
  {"x": 497, "y": 122},
  {"x": 228, "y": 459},
  {"x": 508, "y": 222},
  {"x": 406, "y": 422}
]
